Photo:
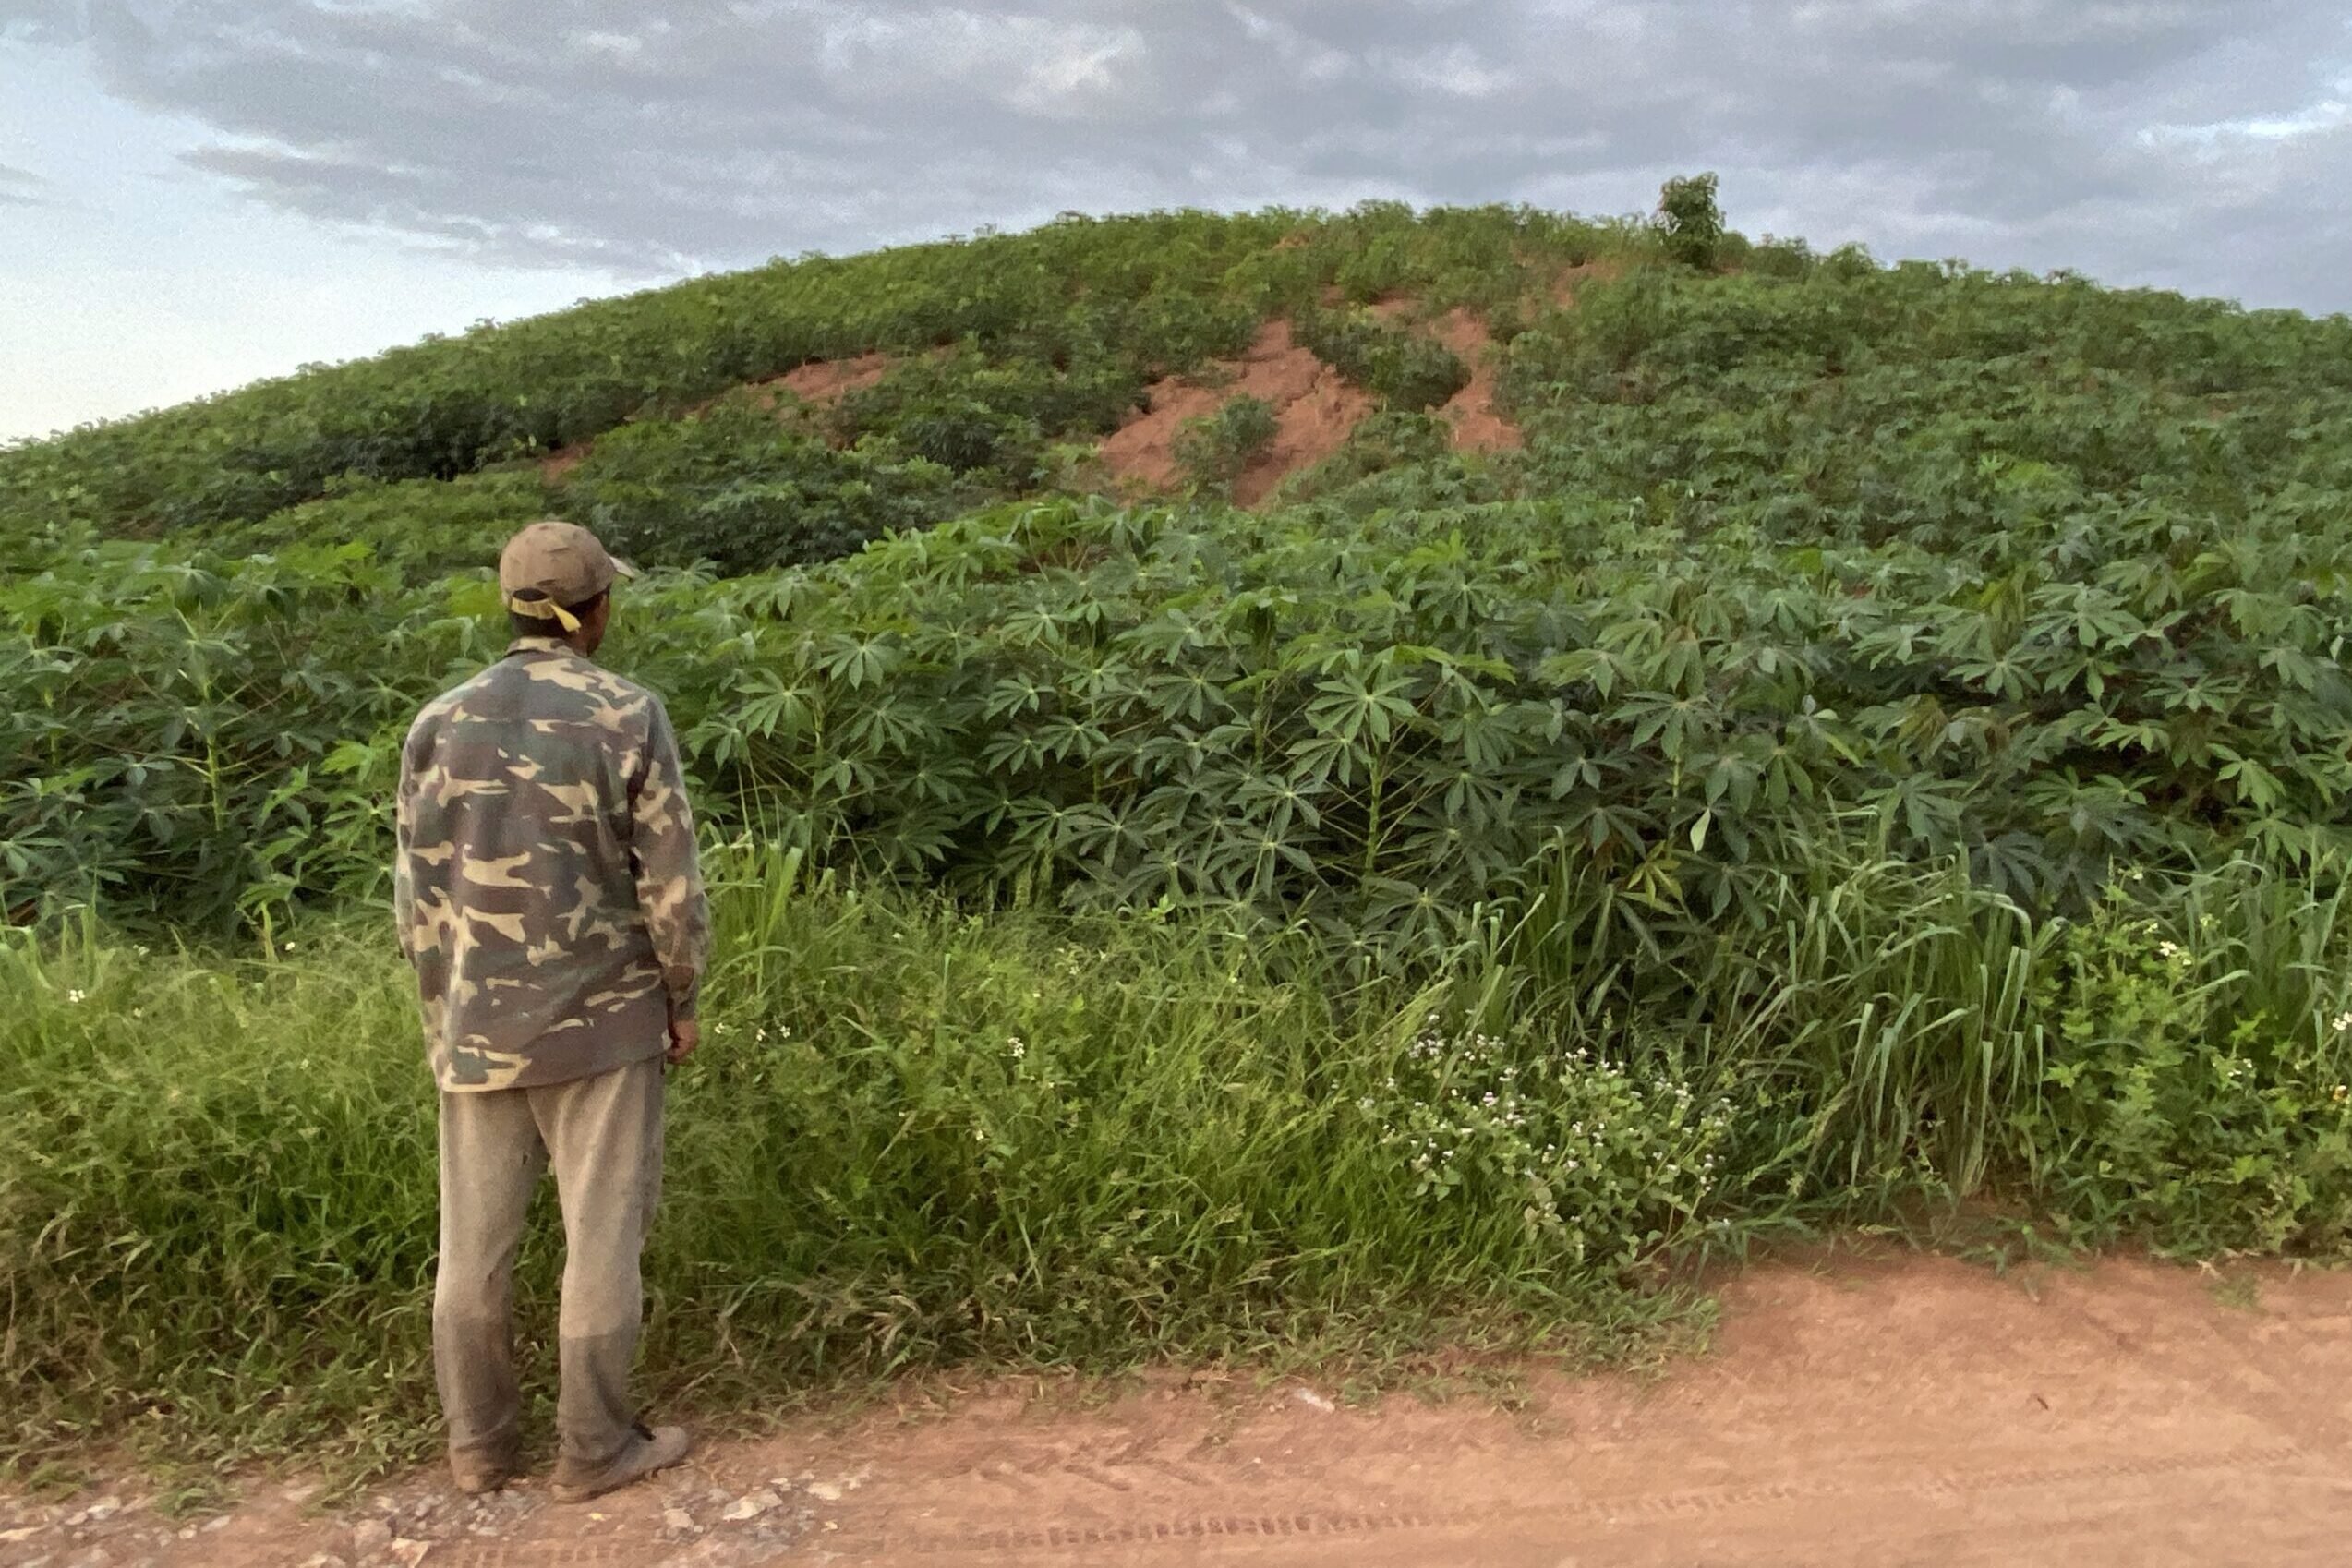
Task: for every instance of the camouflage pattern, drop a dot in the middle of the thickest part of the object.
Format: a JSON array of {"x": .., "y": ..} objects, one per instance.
[{"x": 546, "y": 889}]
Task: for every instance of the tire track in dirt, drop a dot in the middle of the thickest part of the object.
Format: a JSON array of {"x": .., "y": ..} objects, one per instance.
[{"x": 1628, "y": 1508}]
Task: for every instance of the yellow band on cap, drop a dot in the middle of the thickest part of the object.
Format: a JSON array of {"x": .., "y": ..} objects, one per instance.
[{"x": 545, "y": 609}]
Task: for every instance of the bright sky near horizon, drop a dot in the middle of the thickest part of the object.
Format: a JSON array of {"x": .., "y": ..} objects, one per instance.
[{"x": 194, "y": 193}]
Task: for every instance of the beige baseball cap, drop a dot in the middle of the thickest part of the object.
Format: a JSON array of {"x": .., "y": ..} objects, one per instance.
[{"x": 551, "y": 565}]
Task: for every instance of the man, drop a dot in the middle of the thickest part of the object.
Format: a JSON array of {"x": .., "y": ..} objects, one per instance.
[{"x": 547, "y": 895}]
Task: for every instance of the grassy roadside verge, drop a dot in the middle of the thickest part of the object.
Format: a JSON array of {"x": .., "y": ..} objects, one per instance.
[{"x": 923, "y": 1137}]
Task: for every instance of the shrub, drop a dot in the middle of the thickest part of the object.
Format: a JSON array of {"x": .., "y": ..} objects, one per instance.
[
  {"x": 425, "y": 528},
  {"x": 737, "y": 488},
  {"x": 1169, "y": 332},
  {"x": 1215, "y": 448},
  {"x": 1408, "y": 371},
  {"x": 1849, "y": 262},
  {"x": 1383, "y": 443},
  {"x": 966, "y": 435},
  {"x": 977, "y": 413},
  {"x": 2178, "y": 1108},
  {"x": 1689, "y": 221},
  {"x": 1771, "y": 257}
]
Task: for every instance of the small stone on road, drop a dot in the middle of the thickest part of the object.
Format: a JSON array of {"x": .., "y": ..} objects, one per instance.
[{"x": 751, "y": 1505}]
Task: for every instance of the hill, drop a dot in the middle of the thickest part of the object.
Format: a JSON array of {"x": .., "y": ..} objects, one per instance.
[
  {"x": 908, "y": 385},
  {"x": 1278, "y": 785},
  {"x": 1565, "y": 557}
]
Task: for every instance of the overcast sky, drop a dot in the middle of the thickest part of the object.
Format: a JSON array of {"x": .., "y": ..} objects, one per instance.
[{"x": 197, "y": 192}]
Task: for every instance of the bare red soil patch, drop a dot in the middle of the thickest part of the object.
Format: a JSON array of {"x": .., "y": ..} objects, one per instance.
[
  {"x": 1479, "y": 425},
  {"x": 827, "y": 380},
  {"x": 556, "y": 464},
  {"x": 1315, "y": 408},
  {"x": 1314, "y": 411}
]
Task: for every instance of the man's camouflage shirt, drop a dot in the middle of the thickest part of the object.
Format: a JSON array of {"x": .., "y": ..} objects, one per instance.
[{"x": 547, "y": 890}]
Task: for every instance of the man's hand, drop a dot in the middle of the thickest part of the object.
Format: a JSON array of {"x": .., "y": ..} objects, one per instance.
[{"x": 685, "y": 1035}]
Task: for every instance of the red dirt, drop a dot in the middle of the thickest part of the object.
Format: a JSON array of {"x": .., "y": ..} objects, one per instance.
[
  {"x": 1862, "y": 1412},
  {"x": 1314, "y": 411},
  {"x": 563, "y": 460},
  {"x": 827, "y": 380},
  {"x": 1314, "y": 408},
  {"x": 1478, "y": 424}
]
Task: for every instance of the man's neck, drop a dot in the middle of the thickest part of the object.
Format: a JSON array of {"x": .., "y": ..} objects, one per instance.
[{"x": 547, "y": 644}]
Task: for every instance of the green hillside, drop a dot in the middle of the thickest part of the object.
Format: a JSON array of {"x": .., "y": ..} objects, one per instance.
[
  {"x": 2023, "y": 570},
  {"x": 1284, "y": 785}
]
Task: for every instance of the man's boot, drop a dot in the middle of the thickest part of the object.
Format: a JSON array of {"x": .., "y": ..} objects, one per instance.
[{"x": 650, "y": 1450}]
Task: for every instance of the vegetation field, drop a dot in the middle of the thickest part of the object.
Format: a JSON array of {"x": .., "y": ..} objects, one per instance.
[{"x": 1873, "y": 736}]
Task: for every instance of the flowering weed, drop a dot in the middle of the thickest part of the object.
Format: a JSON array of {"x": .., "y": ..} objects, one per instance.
[{"x": 1602, "y": 1162}]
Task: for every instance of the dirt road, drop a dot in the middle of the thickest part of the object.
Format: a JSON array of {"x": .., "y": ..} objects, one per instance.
[{"x": 1913, "y": 1411}]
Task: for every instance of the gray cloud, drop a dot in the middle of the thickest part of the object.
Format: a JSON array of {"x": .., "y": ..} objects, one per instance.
[
  {"x": 2165, "y": 141},
  {"x": 22, "y": 187}
]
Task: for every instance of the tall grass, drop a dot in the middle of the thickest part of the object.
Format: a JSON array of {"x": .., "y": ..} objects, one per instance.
[
  {"x": 919, "y": 1136},
  {"x": 1886, "y": 1001},
  {"x": 914, "y": 1136}
]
